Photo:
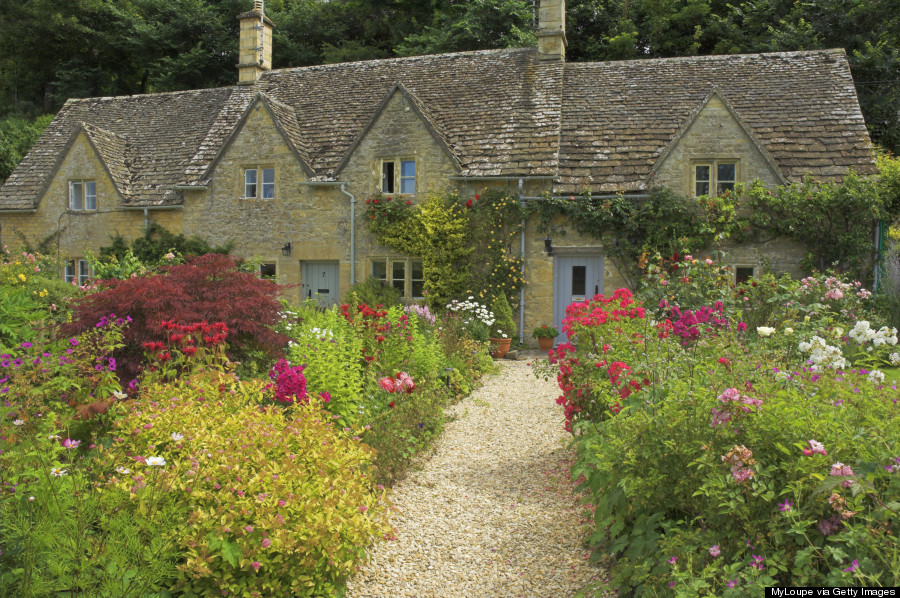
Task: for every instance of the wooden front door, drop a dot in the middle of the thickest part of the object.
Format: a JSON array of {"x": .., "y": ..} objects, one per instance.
[
  {"x": 575, "y": 278},
  {"x": 320, "y": 282}
]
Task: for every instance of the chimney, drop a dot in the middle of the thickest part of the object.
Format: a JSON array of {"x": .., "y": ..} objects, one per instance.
[
  {"x": 551, "y": 31},
  {"x": 255, "y": 44}
]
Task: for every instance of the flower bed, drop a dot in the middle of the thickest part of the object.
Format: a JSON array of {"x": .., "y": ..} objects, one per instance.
[{"x": 719, "y": 460}]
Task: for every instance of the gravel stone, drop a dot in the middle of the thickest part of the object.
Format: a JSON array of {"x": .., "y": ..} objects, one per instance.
[{"x": 491, "y": 513}]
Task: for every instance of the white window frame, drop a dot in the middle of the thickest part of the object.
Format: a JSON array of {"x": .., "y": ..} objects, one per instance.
[
  {"x": 86, "y": 200},
  {"x": 713, "y": 180},
  {"x": 397, "y": 184},
  {"x": 260, "y": 187},
  {"x": 85, "y": 272}
]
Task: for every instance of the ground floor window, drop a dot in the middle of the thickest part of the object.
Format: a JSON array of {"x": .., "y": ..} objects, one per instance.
[
  {"x": 743, "y": 274},
  {"x": 267, "y": 271},
  {"x": 77, "y": 271},
  {"x": 404, "y": 274}
]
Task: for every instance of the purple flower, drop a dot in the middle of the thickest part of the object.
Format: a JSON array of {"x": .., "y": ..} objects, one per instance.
[
  {"x": 673, "y": 560},
  {"x": 73, "y": 342},
  {"x": 732, "y": 583},
  {"x": 758, "y": 562},
  {"x": 714, "y": 551},
  {"x": 255, "y": 565},
  {"x": 786, "y": 506},
  {"x": 25, "y": 345},
  {"x": 854, "y": 565}
]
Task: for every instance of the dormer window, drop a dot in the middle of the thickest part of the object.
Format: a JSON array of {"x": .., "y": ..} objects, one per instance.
[
  {"x": 82, "y": 196},
  {"x": 398, "y": 176},
  {"x": 259, "y": 183}
]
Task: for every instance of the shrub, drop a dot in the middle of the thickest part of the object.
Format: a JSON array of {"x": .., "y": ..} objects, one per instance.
[
  {"x": 706, "y": 464},
  {"x": 505, "y": 326},
  {"x": 156, "y": 242},
  {"x": 207, "y": 288},
  {"x": 282, "y": 502},
  {"x": 374, "y": 291}
]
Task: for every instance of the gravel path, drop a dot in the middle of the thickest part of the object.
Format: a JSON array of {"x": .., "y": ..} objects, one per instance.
[{"x": 491, "y": 513}]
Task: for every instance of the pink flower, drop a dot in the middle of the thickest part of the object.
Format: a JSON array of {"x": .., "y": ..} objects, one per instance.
[
  {"x": 70, "y": 444},
  {"x": 786, "y": 506},
  {"x": 248, "y": 529},
  {"x": 387, "y": 384},
  {"x": 839, "y": 469},
  {"x": 714, "y": 551},
  {"x": 266, "y": 542},
  {"x": 853, "y": 567},
  {"x": 732, "y": 583},
  {"x": 256, "y": 565},
  {"x": 363, "y": 508},
  {"x": 815, "y": 447},
  {"x": 673, "y": 560}
]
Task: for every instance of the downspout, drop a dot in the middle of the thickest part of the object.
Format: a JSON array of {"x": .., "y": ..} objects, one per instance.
[
  {"x": 522, "y": 289},
  {"x": 352, "y": 234},
  {"x": 146, "y": 220}
]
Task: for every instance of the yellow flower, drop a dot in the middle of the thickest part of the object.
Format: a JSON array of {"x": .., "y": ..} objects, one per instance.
[{"x": 22, "y": 277}]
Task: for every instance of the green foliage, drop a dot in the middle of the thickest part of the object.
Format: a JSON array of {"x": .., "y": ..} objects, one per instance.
[
  {"x": 833, "y": 221},
  {"x": 505, "y": 324},
  {"x": 702, "y": 469},
  {"x": 151, "y": 250},
  {"x": 495, "y": 219},
  {"x": 280, "y": 501},
  {"x": 436, "y": 230},
  {"x": 374, "y": 291},
  {"x": 473, "y": 25},
  {"x": 17, "y": 135},
  {"x": 545, "y": 332},
  {"x": 664, "y": 223}
]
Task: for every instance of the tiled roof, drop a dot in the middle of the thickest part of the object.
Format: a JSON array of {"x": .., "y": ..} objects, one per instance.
[
  {"x": 619, "y": 116},
  {"x": 601, "y": 126}
]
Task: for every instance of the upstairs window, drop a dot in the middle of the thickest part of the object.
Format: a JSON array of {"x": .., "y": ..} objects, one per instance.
[
  {"x": 77, "y": 271},
  {"x": 714, "y": 177},
  {"x": 82, "y": 195},
  {"x": 259, "y": 183},
  {"x": 398, "y": 176}
]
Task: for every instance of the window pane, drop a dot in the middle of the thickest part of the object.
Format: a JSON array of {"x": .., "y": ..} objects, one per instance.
[
  {"x": 579, "y": 279},
  {"x": 398, "y": 273},
  {"x": 418, "y": 289},
  {"x": 742, "y": 274},
  {"x": 77, "y": 200},
  {"x": 379, "y": 269},
  {"x": 702, "y": 173},
  {"x": 407, "y": 185},
  {"x": 723, "y": 187},
  {"x": 702, "y": 189},
  {"x": 418, "y": 283},
  {"x": 725, "y": 173},
  {"x": 90, "y": 195},
  {"x": 84, "y": 272},
  {"x": 408, "y": 168},
  {"x": 268, "y": 183},
  {"x": 250, "y": 182},
  {"x": 417, "y": 272},
  {"x": 387, "y": 177},
  {"x": 267, "y": 271},
  {"x": 70, "y": 271}
]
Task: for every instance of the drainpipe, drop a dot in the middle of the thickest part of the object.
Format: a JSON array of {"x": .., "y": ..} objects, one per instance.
[
  {"x": 522, "y": 289},
  {"x": 352, "y": 233},
  {"x": 146, "y": 220}
]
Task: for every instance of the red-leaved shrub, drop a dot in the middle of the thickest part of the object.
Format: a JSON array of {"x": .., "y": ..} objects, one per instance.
[{"x": 207, "y": 288}]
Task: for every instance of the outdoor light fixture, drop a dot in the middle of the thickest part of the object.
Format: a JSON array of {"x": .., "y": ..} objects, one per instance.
[
  {"x": 286, "y": 250},
  {"x": 548, "y": 245}
]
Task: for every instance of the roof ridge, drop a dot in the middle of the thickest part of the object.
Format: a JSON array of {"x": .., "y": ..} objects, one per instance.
[
  {"x": 710, "y": 57},
  {"x": 375, "y": 61},
  {"x": 149, "y": 95}
]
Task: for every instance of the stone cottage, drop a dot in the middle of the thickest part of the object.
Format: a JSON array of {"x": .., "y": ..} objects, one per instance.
[{"x": 280, "y": 162}]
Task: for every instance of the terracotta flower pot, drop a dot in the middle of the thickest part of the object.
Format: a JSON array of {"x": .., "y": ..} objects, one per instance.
[
  {"x": 545, "y": 344},
  {"x": 499, "y": 347}
]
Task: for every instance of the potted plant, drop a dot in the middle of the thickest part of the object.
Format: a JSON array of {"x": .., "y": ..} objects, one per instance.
[
  {"x": 545, "y": 335},
  {"x": 504, "y": 328}
]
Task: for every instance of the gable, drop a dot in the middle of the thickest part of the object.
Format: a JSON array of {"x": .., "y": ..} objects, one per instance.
[
  {"x": 714, "y": 131},
  {"x": 81, "y": 161}
]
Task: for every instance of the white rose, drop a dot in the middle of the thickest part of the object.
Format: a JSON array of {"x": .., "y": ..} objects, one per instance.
[{"x": 765, "y": 331}]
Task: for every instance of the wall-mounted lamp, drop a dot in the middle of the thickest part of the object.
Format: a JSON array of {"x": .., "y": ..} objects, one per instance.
[
  {"x": 286, "y": 250},
  {"x": 548, "y": 245}
]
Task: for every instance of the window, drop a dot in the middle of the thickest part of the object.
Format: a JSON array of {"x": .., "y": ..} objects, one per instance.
[
  {"x": 78, "y": 269},
  {"x": 82, "y": 195},
  {"x": 395, "y": 271},
  {"x": 743, "y": 274},
  {"x": 267, "y": 271},
  {"x": 406, "y": 176},
  {"x": 714, "y": 178},
  {"x": 253, "y": 187}
]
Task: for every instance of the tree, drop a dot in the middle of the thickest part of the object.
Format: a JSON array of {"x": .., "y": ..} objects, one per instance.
[{"x": 17, "y": 135}]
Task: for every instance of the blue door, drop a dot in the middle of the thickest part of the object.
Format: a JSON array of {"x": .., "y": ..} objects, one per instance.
[{"x": 575, "y": 278}]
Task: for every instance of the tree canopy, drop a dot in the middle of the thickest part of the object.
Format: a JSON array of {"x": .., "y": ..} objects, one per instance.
[{"x": 51, "y": 51}]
